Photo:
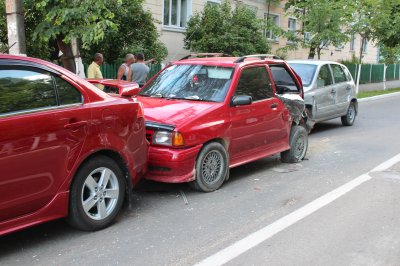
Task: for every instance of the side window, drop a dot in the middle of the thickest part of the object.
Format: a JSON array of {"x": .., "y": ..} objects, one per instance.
[
  {"x": 324, "y": 77},
  {"x": 284, "y": 81},
  {"x": 347, "y": 72},
  {"x": 67, "y": 94},
  {"x": 256, "y": 83},
  {"x": 338, "y": 74},
  {"x": 24, "y": 88}
]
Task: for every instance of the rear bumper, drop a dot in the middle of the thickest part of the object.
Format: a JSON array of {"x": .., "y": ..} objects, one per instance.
[{"x": 172, "y": 165}]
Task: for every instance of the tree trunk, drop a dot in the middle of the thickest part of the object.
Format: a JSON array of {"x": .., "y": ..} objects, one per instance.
[
  {"x": 311, "y": 53},
  {"x": 319, "y": 52},
  {"x": 67, "y": 57},
  {"x": 361, "y": 48}
]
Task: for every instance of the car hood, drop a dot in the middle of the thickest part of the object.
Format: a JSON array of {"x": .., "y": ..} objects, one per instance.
[{"x": 174, "y": 112}]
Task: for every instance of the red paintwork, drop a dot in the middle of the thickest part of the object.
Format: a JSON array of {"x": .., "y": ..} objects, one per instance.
[
  {"x": 120, "y": 84},
  {"x": 248, "y": 132},
  {"x": 39, "y": 156}
]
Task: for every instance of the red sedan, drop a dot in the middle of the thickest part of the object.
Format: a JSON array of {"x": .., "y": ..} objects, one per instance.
[
  {"x": 67, "y": 149},
  {"x": 206, "y": 115}
]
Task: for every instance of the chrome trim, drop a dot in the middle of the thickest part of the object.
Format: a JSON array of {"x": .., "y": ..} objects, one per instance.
[{"x": 36, "y": 110}]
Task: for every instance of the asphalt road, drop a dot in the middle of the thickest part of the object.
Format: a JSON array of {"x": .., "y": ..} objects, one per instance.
[{"x": 358, "y": 228}]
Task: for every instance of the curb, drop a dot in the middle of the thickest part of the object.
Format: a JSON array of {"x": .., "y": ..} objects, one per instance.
[{"x": 383, "y": 96}]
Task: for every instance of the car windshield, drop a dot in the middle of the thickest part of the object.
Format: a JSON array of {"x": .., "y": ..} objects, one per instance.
[
  {"x": 305, "y": 71},
  {"x": 191, "y": 82}
]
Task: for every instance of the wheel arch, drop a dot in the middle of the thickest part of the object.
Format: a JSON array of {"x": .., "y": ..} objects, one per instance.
[{"x": 117, "y": 158}]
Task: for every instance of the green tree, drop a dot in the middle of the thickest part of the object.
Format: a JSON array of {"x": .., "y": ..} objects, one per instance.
[
  {"x": 112, "y": 27},
  {"x": 136, "y": 33},
  {"x": 219, "y": 28},
  {"x": 324, "y": 20}
]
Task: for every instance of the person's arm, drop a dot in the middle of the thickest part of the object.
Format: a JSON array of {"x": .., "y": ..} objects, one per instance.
[
  {"x": 129, "y": 77},
  {"x": 121, "y": 72},
  {"x": 149, "y": 61}
]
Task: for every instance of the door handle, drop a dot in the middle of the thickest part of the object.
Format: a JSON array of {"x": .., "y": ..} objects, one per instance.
[
  {"x": 274, "y": 105},
  {"x": 75, "y": 125},
  {"x": 333, "y": 91},
  {"x": 348, "y": 88}
]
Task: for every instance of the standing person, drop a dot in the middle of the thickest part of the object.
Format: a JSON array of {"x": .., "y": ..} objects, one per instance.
[
  {"x": 94, "y": 71},
  {"x": 139, "y": 70},
  {"x": 125, "y": 68}
]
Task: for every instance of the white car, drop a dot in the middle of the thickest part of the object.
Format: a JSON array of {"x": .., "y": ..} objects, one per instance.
[{"x": 329, "y": 90}]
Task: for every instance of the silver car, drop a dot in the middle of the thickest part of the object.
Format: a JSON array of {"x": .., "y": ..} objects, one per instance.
[{"x": 329, "y": 90}]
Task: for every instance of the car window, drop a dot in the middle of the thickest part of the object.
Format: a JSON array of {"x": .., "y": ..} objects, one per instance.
[
  {"x": 67, "y": 94},
  {"x": 255, "y": 82},
  {"x": 25, "y": 89},
  {"x": 305, "y": 71},
  {"x": 348, "y": 74},
  {"x": 284, "y": 81},
  {"x": 191, "y": 82},
  {"x": 338, "y": 74},
  {"x": 324, "y": 77}
]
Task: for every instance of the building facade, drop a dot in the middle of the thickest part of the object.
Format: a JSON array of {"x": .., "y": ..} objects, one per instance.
[{"x": 172, "y": 15}]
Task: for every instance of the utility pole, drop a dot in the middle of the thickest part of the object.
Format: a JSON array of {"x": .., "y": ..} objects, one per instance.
[{"x": 15, "y": 27}]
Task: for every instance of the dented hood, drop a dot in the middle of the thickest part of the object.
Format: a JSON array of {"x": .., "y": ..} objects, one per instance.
[{"x": 174, "y": 112}]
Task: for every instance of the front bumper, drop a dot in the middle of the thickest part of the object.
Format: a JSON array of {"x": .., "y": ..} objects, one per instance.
[{"x": 172, "y": 165}]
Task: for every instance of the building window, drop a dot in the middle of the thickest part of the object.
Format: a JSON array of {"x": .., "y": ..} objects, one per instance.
[
  {"x": 272, "y": 20},
  {"x": 292, "y": 24},
  {"x": 365, "y": 45},
  {"x": 352, "y": 42},
  {"x": 307, "y": 37},
  {"x": 251, "y": 8},
  {"x": 176, "y": 13},
  {"x": 214, "y": 2}
]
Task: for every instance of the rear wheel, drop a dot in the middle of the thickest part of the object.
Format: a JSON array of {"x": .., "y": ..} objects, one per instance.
[
  {"x": 97, "y": 194},
  {"x": 298, "y": 141},
  {"x": 350, "y": 117},
  {"x": 212, "y": 168}
]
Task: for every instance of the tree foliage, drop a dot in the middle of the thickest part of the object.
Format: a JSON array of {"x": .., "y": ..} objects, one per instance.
[
  {"x": 221, "y": 28},
  {"x": 112, "y": 27},
  {"x": 325, "y": 21}
]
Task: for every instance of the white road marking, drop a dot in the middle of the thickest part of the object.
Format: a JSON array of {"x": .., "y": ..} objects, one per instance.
[{"x": 236, "y": 249}]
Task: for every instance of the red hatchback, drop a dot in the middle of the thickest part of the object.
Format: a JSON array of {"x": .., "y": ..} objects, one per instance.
[
  {"x": 66, "y": 148},
  {"x": 206, "y": 115}
]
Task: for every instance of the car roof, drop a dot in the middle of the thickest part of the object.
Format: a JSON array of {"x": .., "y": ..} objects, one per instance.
[
  {"x": 227, "y": 61},
  {"x": 114, "y": 83},
  {"x": 312, "y": 62}
]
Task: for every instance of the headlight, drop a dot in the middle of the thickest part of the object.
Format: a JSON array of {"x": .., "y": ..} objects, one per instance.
[{"x": 168, "y": 138}]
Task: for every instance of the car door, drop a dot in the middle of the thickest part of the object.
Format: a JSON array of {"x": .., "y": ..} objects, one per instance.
[
  {"x": 325, "y": 94},
  {"x": 38, "y": 137},
  {"x": 343, "y": 89},
  {"x": 255, "y": 127}
]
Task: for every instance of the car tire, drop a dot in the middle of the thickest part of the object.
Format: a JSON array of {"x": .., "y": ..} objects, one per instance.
[
  {"x": 350, "y": 117},
  {"x": 97, "y": 194},
  {"x": 211, "y": 169},
  {"x": 298, "y": 142}
]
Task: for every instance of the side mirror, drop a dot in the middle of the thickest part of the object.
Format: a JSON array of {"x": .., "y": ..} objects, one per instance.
[
  {"x": 241, "y": 100},
  {"x": 130, "y": 91}
]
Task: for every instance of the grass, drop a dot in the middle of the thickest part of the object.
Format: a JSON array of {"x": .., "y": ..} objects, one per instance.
[{"x": 365, "y": 94}]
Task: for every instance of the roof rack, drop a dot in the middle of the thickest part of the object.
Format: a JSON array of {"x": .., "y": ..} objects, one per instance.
[
  {"x": 197, "y": 55},
  {"x": 260, "y": 56}
]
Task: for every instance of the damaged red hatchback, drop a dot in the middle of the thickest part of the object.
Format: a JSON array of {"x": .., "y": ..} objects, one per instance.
[{"x": 206, "y": 115}]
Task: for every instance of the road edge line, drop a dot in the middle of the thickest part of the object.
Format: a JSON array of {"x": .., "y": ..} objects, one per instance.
[{"x": 254, "y": 239}]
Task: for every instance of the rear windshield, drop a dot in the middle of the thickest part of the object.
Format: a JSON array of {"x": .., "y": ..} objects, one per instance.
[
  {"x": 305, "y": 71},
  {"x": 191, "y": 82}
]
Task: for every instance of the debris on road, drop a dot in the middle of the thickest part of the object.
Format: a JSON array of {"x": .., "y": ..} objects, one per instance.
[{"x": 184, "y": 197}]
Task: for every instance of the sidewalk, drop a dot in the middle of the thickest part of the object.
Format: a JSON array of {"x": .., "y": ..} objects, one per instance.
[{"x": 379, "y": 86}]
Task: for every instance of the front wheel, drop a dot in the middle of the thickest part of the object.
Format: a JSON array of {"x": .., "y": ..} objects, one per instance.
[
  {"x": 298, "y": 142},
  {"x": 350, "y": 117},
  {"x": 211, "y": 168},
  {"x": 97, "y": 194}
]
